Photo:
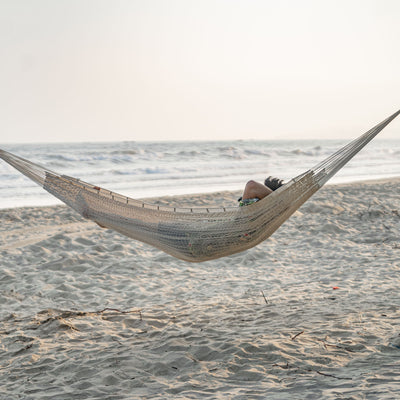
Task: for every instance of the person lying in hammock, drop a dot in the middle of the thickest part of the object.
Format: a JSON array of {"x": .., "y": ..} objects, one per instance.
[{"x": 255, "y": 191}]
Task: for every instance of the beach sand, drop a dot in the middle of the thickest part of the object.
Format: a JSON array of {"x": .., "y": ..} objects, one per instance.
[{"x": 311, "y": 313}]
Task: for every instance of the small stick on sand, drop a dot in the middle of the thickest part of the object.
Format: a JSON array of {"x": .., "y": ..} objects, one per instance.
[
  {"x": 298, "y": 334},
  {"x": 118, "y": 311},
  {"x": 266, "y": 301},
  {"x": 330, "y": 375}
]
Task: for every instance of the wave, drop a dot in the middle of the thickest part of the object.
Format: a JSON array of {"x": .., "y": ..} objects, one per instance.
[{"x": 125, "y": 152}]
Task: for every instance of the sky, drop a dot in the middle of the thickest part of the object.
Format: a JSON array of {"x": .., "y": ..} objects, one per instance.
[{"x": 95, "y": 70}]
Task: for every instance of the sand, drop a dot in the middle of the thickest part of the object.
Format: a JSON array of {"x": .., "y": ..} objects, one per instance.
[{"x": 312, "y": 313}]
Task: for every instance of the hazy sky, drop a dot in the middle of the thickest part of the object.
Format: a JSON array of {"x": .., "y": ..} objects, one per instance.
[{"x": 75, "y": 70}]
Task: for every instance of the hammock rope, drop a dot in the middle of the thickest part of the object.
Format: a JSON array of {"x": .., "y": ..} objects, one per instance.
[{"x": 193, "y": 234}]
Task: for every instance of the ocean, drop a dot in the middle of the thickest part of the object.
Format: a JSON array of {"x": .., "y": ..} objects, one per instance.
[{"x": 151, "y": 169}]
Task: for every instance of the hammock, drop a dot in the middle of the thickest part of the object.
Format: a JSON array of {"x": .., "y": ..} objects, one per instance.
[{"x": 192, "y": 234}]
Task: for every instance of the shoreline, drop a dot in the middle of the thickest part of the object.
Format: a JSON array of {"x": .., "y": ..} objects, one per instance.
[{"x": 198, "y": 198}]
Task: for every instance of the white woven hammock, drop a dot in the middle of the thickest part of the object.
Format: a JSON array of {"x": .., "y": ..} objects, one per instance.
[{"x": 192, "y": 234}]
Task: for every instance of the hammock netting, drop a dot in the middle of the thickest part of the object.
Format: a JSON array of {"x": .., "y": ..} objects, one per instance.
[{"x": 192, "y": 234}]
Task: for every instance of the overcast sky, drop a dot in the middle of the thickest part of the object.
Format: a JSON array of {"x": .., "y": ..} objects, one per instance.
[{"x": 88, "y": 70}]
